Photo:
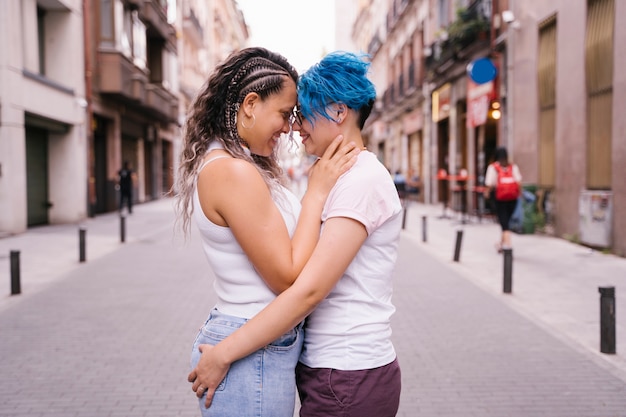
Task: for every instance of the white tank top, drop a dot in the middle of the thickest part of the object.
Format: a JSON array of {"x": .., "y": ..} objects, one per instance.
[{"x": 240, "y": 290}]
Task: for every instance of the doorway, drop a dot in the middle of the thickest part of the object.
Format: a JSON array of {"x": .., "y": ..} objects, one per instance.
[{"x": 37, "y": 195}]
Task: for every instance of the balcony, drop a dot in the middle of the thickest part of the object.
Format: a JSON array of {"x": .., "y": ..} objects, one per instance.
[
  {"x": 120, "y": 77},
  {"x": 123, "y": 81},
  {"x": 469, "y": 30},
  {"x": 468, "y": 27},
  {"x": 161, "y": 103},
  {"x": 402, "y": 95}
]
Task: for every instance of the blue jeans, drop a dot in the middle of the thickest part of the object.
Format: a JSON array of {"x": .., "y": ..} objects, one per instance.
[{"x": 261, "y": 384}]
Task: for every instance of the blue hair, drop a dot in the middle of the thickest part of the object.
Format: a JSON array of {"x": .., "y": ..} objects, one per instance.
[{"x": 340, "y": 77}]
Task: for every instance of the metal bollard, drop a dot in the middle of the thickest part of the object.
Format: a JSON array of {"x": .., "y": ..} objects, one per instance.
[
  {"x": 122, "y": 228},
  {"x": 607, "y": 319},
  {"x": 508, "y": 270},
  {"x": 81, "y": 244},
  {"x": 403, "y": 217},
  {"x": 457, "y": 246},
  {"x": 15, "y": 272},
  {"x": 423, "y": 228}
]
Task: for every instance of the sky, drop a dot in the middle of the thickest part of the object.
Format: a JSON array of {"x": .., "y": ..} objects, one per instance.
[{"x": 301, "y": 30}]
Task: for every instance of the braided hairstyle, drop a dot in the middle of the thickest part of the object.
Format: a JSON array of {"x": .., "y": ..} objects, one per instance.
[{"x": 213, "y": 117}]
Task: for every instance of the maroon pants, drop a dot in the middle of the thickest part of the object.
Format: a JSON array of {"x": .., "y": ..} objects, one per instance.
[{"x": 328, "y": 392}]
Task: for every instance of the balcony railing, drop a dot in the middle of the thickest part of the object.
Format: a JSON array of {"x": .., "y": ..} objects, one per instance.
[{"x": 469, "y": 26}]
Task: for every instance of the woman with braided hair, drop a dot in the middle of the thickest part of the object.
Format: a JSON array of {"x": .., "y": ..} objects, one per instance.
[
  {"x": 255, "y": 233},
  {"x": 348, "y": 366}
]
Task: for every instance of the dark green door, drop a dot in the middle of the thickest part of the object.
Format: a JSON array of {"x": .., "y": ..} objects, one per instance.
[{"x": 37, "y": 176}]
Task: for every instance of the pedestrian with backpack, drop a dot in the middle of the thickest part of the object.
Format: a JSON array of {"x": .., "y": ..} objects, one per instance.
[{"x": 503, "y": 184}]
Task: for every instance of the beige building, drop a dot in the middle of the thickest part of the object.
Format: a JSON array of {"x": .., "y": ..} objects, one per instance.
[
  {"x": 209, "y": 31},
  {"x": 43, "y": 119},
  {"x": 88, "y": 85},
  {"x": 552, "y": 98}
]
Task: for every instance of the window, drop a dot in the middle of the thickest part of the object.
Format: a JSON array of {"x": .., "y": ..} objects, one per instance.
[
  {"x": 107, "y": 26},
  {"x": 139, "y": 41},
  {"x": 41, "y": 39},
  {"x": 444, "y": 12},
  {"x": 126, "y": 38},
  {"x": 599, "y": 77},
  {"x": 547, "y": 102},
  {"x": 155, "y": 60},
  {"x": 122, "y": 29}
]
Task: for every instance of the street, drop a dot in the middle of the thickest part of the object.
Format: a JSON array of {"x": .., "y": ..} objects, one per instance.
[{"x": 111, "y": 337}]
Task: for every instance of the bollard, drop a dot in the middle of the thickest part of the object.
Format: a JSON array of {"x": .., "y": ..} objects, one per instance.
[
  {"x": 607, "y": 319},
  {"x": 81, "y": 244},
  {"x": 457, "y": 246},
  {"x": 423, "y": 228},
  {"x": 15, "y": 272},
  {"x": 122, "y": 228},
  {"x": 508, "y": 270},
  {"x": 403, "y": 217}
]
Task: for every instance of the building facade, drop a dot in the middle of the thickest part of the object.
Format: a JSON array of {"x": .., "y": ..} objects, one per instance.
[
  {"x": 209, "y": 31},
  {"x": 132, "y": 69},
  {"x": 43, "y": 121},
  {"x": 567, "y": 132},
  {"x": 86, "y": 85},
  {"x": 456, "y": 79}
]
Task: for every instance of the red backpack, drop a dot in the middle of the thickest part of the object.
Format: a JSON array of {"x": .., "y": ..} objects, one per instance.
[{"x": 507, "y": 189}]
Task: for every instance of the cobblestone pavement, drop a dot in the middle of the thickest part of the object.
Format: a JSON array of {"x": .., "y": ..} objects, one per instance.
[{"x": 111, "y": 336}]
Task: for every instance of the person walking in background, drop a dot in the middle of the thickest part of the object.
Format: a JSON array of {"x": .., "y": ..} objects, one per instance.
[
  {"x": 255, "y": 233},
  {"x": 348, "y": 365},
  {"x": 125, "y": 184},
  {"x": 503, "y": 184},
  {"x": 399, "y": 180},
  {"x": 413, "y": 183}
]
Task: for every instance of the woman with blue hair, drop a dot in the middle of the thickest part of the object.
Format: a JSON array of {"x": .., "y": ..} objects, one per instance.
[{"x": 348, "y": 366}]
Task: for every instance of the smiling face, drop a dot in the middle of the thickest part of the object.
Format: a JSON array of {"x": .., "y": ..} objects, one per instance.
[
  {"x": 271, "y": 118},
  {"x": 317, "y": 135}
]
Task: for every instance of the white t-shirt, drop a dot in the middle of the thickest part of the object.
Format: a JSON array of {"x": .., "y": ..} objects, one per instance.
[
  {"x": 240, "y": 290},
  {"x": 351, "y": 329}
]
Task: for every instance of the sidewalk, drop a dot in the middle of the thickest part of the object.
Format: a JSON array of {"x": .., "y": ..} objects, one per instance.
[
  {"x": 111, "y": 336},
  {"x": 554, "y": 282},
  {"x": 49, "y": 252}
]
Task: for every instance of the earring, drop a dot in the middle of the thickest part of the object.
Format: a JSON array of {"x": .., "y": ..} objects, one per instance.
[
  {"x": 339, "y": 119},
  {"x": 252, "y": 125}
]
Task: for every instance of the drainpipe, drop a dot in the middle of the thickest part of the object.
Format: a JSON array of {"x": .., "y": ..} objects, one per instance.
[
  {"x": 510, "y": 46},
  {"x": 91, "y": 180}
]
